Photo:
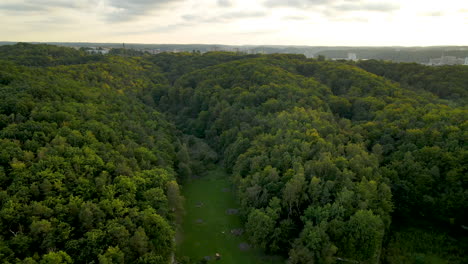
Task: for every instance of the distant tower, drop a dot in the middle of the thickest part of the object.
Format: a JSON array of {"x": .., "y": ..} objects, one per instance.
[
  {"x": 352, "y": 56},
  {"x": 466, "y": 61}
]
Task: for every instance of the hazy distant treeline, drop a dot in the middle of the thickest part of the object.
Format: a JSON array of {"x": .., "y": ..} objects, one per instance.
[{"x": 396, "y": 54}]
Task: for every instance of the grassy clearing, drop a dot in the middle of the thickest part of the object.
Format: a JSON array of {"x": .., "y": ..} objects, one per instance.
[{"x": 207, "y": 226}]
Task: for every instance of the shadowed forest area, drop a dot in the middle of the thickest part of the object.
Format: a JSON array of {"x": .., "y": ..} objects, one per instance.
[{"x": 325, "y": 161}]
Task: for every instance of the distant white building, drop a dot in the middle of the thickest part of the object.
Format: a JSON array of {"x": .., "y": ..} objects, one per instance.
[
  {"x": 99, "y": 50},
  {"x": 352, "y": 56},
  {"x": 447, "y": 60},
  {"x": 466, "y": 61}
]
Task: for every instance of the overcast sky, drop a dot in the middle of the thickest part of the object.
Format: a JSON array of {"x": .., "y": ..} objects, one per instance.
[{"x": 292, "y": 22}]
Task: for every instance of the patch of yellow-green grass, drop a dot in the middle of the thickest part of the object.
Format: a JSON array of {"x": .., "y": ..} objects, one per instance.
[{"x": 207, "y": 226}]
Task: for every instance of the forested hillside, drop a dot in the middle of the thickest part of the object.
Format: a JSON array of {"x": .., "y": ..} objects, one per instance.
[
  {"x": 447, "y": 82},
  {"x": 86, "y": 169},
  {"x": 323, "y": 153},
  {"x": 332, "y": 162}
]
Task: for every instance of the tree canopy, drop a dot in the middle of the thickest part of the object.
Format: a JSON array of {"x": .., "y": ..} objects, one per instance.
[{"x": 330, "y": 160}]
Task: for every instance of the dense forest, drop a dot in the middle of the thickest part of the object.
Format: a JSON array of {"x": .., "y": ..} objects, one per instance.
[
  {"x": 391, "y": 53},
  {"x": 333, "y": 162}
]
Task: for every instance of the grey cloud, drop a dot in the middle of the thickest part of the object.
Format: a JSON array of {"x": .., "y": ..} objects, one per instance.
[
  {"x": 59, "y": 21},
  {"x": 138, "y": 5},
  {"x": 223, "y": 18},
  {"x": 128, "y": 10},
  {"x": 124, "y": 10},
  {"x": 352, "y": 19},
  {"x": 192, "y": 20},
  {"x": 169, "y": 28},
  {"x": 157, "y": 29},
  {"x": 56, "y": 23},
  {"x": 62, "y": 3},
  {"x": 375, "y": 7},
  {"x": 333, "y": 6},
  {"x": 296, "y": 3},
  {"x": 434, "y": 14},
  {"x": 240, "y": 14},
  {"x": 21, "y": 7},
  {"x": 191, "y": 17},
  {"x": 256, "y": 33},
  {"x": 43, "y": 5},
  {"x": 225, "y": 3},
  {"x": 298, "y": 18}
]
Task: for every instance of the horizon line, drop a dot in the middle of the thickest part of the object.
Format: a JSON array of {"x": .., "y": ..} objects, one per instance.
[{"x": 239, "y": 45}]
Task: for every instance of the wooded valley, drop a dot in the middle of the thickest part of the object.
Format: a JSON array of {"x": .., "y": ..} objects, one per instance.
[{"x": 332, "y": 162}]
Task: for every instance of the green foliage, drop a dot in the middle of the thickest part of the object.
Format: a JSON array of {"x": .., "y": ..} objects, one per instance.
[
  {"x": 86, "y": 169},
  {"x": 448, "y": 82},
  {"x": 364, "y": 237},
  {"x": 44, "y": 55},
  {"x": 327, "y": 139},
  {"x": 324, "y": 155},
  {"x": 56, "y": 258},
  {"x": 415, "y": 245}
]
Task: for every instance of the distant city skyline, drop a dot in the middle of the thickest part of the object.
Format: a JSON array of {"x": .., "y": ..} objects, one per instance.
[{"x": 242, "y": 22}]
